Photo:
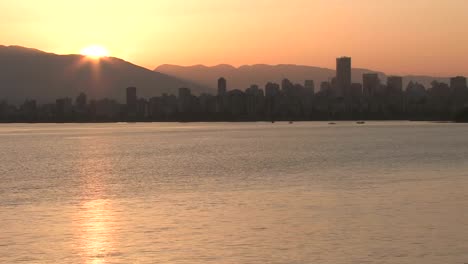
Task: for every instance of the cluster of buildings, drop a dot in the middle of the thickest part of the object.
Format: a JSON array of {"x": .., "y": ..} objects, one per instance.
[{"x": 337, "y": 99}]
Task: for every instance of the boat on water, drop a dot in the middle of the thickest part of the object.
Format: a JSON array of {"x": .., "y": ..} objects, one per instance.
[
  {"x": 360, "y": 123},
  {"x": 332, "y": 123}
]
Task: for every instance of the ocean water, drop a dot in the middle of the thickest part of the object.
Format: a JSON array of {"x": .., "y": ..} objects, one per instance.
[{"x": 383, "y": 192}]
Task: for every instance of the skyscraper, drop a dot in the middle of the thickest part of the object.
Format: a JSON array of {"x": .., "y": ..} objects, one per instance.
[
  {"x": 184, "y": 100},
  {"x": 272, "y": 92},
  {"x": 287, "y": 86},
  {"x": 81, "y": 101},
  {"x": 131, "y": 95},
  {"x": 222, "y": 86},
  {"x": 325, "y": 88},
  {"x": 356, "y": 90},
  {"x": 222, "y": 100},
  {"x": 395, "y": 84},
  {"x": 310, "y": 86},
  {"x": 370, "y": 84},
  {"x": 460, "y": 91},
  {"x": 343, "y": 76},
  {"x": 131, "y": 101},
  {"x": 458, "y": 84},
  {"x": 272, "y": 89}
]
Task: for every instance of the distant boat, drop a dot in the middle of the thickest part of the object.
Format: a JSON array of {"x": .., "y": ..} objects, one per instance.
[
  {"x": 290, "y": 122},
  {"x": 360, "y": 123},
  {"x": 332, "y": 123}
]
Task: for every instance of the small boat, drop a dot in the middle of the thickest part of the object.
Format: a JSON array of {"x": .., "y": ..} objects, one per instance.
[
  {"x": 332, "y": 123},
  {"x": 360, "y": 123},
  {"x": 290, "y": 122}
]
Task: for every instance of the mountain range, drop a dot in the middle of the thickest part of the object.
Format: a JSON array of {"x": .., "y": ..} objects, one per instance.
[
  {"x": 244, "y": 76},
  {"x": 33, "y": 74}
]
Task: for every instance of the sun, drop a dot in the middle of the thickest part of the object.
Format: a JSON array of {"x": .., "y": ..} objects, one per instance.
[{"x": 95, "y": 51}]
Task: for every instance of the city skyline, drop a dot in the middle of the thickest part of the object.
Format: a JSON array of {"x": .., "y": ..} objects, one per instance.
[
  {"x": 337, "y": 99},
  {"x": 397, "y": 37}
]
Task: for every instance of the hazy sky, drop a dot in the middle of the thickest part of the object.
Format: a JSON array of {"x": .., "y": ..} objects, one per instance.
[{"x": 396, "y": 36}]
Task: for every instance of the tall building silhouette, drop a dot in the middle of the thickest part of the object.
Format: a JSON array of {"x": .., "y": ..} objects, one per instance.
[
  {"x": 81, "y": 101},
  {"x": 272, "y": 89},
  {"x": 132, "y": 101},
  {"x": 222, "y": 100},
  {"x": 310, "y": 86},
  {"x": 63, "y": 107},
  {"x": 254, "y": 101},
  {"x": 272, "y": 93},
  {"x": 222, "y": 86},
  {"x": 370, "y": 84},
  {"x": 458, "y": 83},
  {"x": 459, "y": 90},
  {"x": 395, "y": 84},
  {"x": 325, "y": 88},
  {"x": 287, "y": 86},
  {"x": 394, "y": 94},
  {"x": 184, "y": 100},
  {"x": 343, "y": 75},
  {"x": 356, "y": 90}
]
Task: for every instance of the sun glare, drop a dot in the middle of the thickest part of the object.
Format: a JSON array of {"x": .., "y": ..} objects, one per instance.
[{"x": 95, "y": 51}]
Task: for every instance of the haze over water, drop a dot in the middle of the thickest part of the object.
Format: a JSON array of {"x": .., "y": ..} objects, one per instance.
[{"x": 384, "y": 192}]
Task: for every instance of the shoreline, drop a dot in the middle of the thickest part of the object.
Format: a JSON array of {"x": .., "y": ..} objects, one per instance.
[{"x": 237, "y": 121}]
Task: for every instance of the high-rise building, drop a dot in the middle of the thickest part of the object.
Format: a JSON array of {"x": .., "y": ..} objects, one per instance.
[
  {"x": 310, "y": 86},
  {"x": 254, "y": 100},
  {"x": 184, "y": 93},
  {"x": 415, "y": 92},
  {"x": 236, "y": 105},
  {"x": 184, "y": 99},
  {"x": 131, "y": 101},
  {"x": 343, "y": 76},
  {"x": 222, "y": 86},
  {"x": 272, "y": 92},
  {"x": 356, "y": 90},
  {"x": 29, "y": 109},
  {"x": 370, "y": 84},
  {"x": 325, "y": 87},
  {"x": 272, "y": 89},
  {"x": 108, "y": 109},
  {"x": 81, "y": 101},
  {"x": 254, "y": 90},
  {"x": 222, "y": 100},
  {"x": 395, "y": 84},
  {"x": 458, "y": 84},
  {"x": 459, "y": 90},
  {"x": 131, "y": 96},
  {"x": 63, "y": 107},
  {"x": 287, "y": 86}
]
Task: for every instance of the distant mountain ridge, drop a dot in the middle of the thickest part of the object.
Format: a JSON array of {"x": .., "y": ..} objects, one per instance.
[
  {"x": 33, "y": 74},
  {"x": 243, "y": 76}
]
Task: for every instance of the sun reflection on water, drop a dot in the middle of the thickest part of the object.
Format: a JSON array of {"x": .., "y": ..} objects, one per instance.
[
  {"x": 96, "y": 231},
  {"x": 96, "y": 215}
]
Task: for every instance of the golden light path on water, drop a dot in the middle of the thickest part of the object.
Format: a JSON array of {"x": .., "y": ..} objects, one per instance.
[
  {"x": 96, "y": 212},
  {"x": 95, "y": 232}
]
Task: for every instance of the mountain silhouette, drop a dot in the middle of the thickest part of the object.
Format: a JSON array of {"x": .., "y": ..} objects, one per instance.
[
  {"x": 243, "y": 76},
  {"x": 33, "y": 74}
]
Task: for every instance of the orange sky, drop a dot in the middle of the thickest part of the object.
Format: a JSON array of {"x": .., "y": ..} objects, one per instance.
[{"x": 395, "y": 36}]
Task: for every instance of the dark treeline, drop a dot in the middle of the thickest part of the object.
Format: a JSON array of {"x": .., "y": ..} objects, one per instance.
[{"x": 338, "y": 99}]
